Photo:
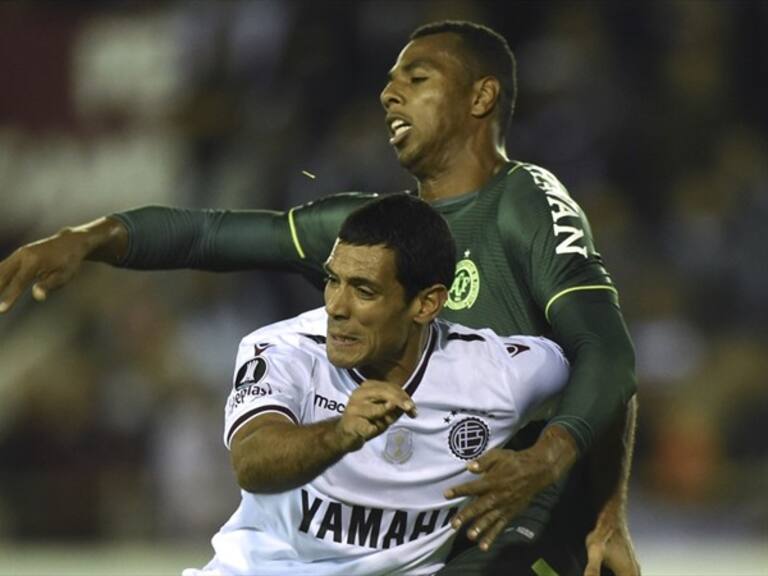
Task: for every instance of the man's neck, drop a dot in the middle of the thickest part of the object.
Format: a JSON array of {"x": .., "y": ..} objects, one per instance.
[
  {"x": 401, "y": 370},
  {"x": 464, "y": 173}
]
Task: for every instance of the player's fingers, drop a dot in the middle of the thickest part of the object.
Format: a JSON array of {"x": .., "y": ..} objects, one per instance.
[
  {"x": 367, "y": 430},
  {"x": 619, "y": 556},
  {"x": 49, "y": 283},
  {"x": 391, "y": 417},
  {"x": 490, "y": 535},
  {"x": 482, "y": 523},
  {"x": 397, "y": 405},
  {"x": 39, "y": 293},
  {"x": 370, "y": 412},
  {"x": 16, "y": 284},
  {"x": 486, "y": 461},
  {"x": 387, "y": 392},
  {"x": 409, "y": 408},
  {"x": 8, "y": 268},
  {"x": 473, "y": 488},
  {"x": 595, "y": 552},
  {"x": 474, "y": 509}
]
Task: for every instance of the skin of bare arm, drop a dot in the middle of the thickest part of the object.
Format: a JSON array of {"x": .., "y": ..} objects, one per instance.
[
  {"x": 48, "y": 264},
  {"x": 271, "y": 454}
]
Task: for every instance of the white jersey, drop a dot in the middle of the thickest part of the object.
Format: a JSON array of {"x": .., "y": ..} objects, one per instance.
[{"x": 381, "y": 509}]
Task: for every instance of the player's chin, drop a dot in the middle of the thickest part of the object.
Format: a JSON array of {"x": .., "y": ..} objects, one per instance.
[
  {"x": 413, "y": 160},
  {"x": 342, "y": 358},
  {"x": 405, "y": 157}
]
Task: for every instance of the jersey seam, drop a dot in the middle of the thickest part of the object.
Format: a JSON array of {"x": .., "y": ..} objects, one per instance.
[
  {"x": 576, "y": 289},
  {"x": 294, "y": 234},
  {"x": 515, "y": 167}
]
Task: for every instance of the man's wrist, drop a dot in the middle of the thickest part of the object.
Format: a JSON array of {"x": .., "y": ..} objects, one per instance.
[
  {"x": 558, "y": 449},
  {"x": 341, "y": 440},
  {"x": 103, "y": 240}
]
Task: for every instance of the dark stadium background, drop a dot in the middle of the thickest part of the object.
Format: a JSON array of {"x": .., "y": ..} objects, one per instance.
[{"x": 653, "y": 114}]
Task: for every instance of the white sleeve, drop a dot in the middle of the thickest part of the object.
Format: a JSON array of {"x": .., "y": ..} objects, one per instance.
[
  {"x": 538, "y": 372},
  {"x": 270, "y": 376}
]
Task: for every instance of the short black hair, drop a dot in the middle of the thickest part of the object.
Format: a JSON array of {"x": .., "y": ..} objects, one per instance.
[
  {"x": 488, "y": 54},
  {"x": 425, "y": 252}
]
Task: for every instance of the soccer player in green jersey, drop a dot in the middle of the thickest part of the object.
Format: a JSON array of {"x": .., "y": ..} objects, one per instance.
[{"x": 527, "y": 265}]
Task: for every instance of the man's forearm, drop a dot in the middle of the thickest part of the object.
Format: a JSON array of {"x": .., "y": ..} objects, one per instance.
[
  {"x": 612, "y": 462},
  {"x": 276, "y": 455},
  {"x": 592, "y": 332},
  {"x": 163, "y": 238}
]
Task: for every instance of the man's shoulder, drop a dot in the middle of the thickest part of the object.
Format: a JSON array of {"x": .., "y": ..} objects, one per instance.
[
  {"x": 455, "y": 334},
  {"x": 337, "y": 201},
  {"x": 460, "y": 339},
  {"x": 304, "y": 334},
  {"x": 533, "y": 197},
  {"x": 525, "y": 181}
]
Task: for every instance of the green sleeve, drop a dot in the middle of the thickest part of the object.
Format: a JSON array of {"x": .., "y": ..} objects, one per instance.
[
  {"x": 548, "y": 233},
  {"x": 590, "y": 327},
  {"x": 552, "y": 241},
  {"x": 299, "y": 239}
]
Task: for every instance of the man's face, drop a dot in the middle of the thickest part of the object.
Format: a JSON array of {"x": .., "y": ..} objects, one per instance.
[
  {"x": 369, "y": 322},
  {"x": 428, "y": 100}
]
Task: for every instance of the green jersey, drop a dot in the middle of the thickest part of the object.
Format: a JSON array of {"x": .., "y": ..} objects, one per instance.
[{"x": 522, "y": 243}]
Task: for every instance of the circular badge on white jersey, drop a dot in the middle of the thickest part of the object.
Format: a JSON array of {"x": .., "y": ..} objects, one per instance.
[
  {"x": 465, "y": 287},
  {"x": 469, "y": 438}
]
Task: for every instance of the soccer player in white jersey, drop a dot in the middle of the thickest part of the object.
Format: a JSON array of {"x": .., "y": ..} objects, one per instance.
[{"x": 334, "y": 480}]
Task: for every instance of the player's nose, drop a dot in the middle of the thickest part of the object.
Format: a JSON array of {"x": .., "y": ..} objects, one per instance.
[
  {"x": 337, "y": 303},
  {"x": 390, "y": 95}
]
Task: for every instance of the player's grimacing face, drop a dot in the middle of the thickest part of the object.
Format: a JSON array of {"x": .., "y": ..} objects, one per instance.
[
  {"x": 369, "y": 322},
  {"x": 427, "y": 101}
]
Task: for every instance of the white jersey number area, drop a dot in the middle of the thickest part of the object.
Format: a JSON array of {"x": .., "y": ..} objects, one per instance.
[{"x": 379, "y": 510}]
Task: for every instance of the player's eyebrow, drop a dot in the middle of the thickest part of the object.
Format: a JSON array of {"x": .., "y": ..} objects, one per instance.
[{"x": 353, "y": 280}]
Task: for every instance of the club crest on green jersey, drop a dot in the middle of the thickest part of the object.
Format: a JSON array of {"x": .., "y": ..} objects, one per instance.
[{"x": 466, "y": 285}]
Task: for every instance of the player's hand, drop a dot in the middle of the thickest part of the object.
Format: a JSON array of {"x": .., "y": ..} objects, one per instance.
[
  {"x": 372, "y": 408},
  {"x": 508, "y": 481},
  {"x": 44, "y": 265},
  {"x": 610, "y": 545},
  {"x": 50, "y": 263}
]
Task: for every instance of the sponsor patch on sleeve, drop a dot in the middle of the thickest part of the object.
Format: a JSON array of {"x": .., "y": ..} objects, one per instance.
[{"x": 251, "y": 372}]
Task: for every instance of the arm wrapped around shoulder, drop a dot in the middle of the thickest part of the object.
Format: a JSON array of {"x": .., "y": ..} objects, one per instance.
[{"x": 589, "y": 326}]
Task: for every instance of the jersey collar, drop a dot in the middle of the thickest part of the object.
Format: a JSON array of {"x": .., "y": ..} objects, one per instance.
[{"x": 456, "y": 202}]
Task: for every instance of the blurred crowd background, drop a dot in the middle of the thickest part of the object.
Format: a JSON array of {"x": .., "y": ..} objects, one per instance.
[{"x": 653, "y": 115}]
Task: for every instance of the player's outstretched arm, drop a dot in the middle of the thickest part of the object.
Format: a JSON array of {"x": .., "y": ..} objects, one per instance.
[
  {"x": 49, "y": 263},
  {"x": 164, "y": 238},
  {"x": 272, "y": 454}
]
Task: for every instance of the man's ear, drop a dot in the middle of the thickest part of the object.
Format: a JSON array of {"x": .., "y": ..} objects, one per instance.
[
  {"x": 429, "y": 303},
  {"x": 486, "y": 92}
]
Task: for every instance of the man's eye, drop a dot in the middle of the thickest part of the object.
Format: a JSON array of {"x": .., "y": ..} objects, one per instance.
[
  {"x": 330, "y": 279},
  {"x": 365, "y": 292},
  {"x": 418, "y": 79}
]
